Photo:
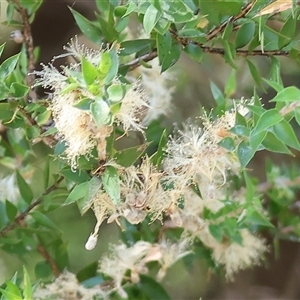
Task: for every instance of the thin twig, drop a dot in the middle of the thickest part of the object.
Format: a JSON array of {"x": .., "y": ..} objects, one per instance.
[
  {"x": 240, "y": 52},
  {"x": 137, "y": 62},
  {"x": 24, "y": 214},
  {"x": 213, "y": 50},
  {"x": 28, "y": 41},
  {"x": 49, "y": 259}
]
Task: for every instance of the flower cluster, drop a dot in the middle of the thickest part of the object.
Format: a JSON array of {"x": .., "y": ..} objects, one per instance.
[
  {"x": 66, "y": 286},
  {"x": 194, "y": 173},
  {"x": 141, "y": 193},
  {"x": 135, "y": 258},
  {"x": 76, "y": 124},
  {"x": 159, "y": 88}
]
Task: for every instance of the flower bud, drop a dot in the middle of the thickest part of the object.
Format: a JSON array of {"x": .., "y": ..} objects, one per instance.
[
  {"x": 17, "y": 36},
  {"x": 91, "y": 242}
]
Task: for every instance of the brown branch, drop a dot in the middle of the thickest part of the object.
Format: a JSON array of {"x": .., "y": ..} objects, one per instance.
[
  {"x": 289, "y": 108},
  {"x": 30, "y": 120},
  {"x": 214, "y": 32},
  {"x": 240, "y": 52},
  {"x": 28, "y": 41},
  {"x": 49, "y": 259},
  {"x": 24, "y": 214},
  {"x": 213, "y": 50},
  {"x": 137, "y": 62}
]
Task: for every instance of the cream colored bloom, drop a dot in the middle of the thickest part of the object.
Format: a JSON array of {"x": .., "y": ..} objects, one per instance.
[
  {"x": 132, "y": 110},
  {"x": 159, "y": 88},
  {"x": 233, "y": 256},
  {"x": 195, "y": 156},
  {"x": 123, "y": 258},
  {"x": 67, "y": 287},
  {"x": 171, "y": 253}
]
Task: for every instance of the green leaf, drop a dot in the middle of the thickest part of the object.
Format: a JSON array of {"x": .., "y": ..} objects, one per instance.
[
  {"x": 43, "y": 118},
  {"x": 276, "y": 86},
  {"x": 8, "y": 66},
  {"x": 113, "y": 70},
  {"x": 152, "y": 288},
  {"x": 250, "y": 188},
  {"x": 110, "y": 180},
  {"x": 10, "y": 296},
  {"x": 192, "y": 33},
  {"x": 3, "y": 216},
  {"x": 227, "y": 31},
  {"x": 287, "y": 32},
  {"x": 131, "y": 47},
  {"x": 218, "y": 95},
  {"x": 18, "y": 90},
  {"x": 297, "y": 115},
  {"x": 158, "y": 156},
  {"x": 172, "y": 58},
  {"x": 87, "y": 272},
  {"x": 60, "y": 147},
  {"x": 94, "y": 185},
  {"x": 255, "y": 74},
  {"x": 80, "y": 191},
  {"x": 256, "y": 140},
  {"x": 101, "y": 112},
  {"x": 89, "y": 30},
  {"x": 13, "y": 289},
  {"x": 6, "y": 112},
  {"x": 104, "y": 64},
  {"x": 217, "y": 9},
  {"x": 77, "y": 176},
  {"x": 116, "y": 92},
  {"x": 42, "y": 269},
  {"x": 194, "y": 52},
  {"x": 11, "y": 210},
  {"x": 89, "y": 71},
  {"x": 259, "y": 219},
  {"x": 216, "y": 231},
  {"x": 230, "y": 86},
  {"x": 228, "y": 143},
  {"x": 267, "y": 119},
  {"x": 46, "y": 173},
  {"x": 84, "y": 104},
  {"x": 150, "y": 18},
  {"x": 285, "y": 133},
  {"x": 27, "y": 289},
  {"x": 240, "y": 130},
  {"x": 129, "y": 156},
  {"x": 132, "y": 7},
  {"x": 289, "y": 94},
  {"x": 10, "y": 9},
  {"x": 164, "y": 43},
  {"x": 271, "y": 143},
  {"x": 229, "y": 55},
  {"x": 245, "y": 153},
  {"x": 108, "y": 31},
  {"x": 245, "y": 34},
  {"x": 24, "y": 188},
  {"x": 275, "y": 74},
  {"x": 43, "y": 220}
]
